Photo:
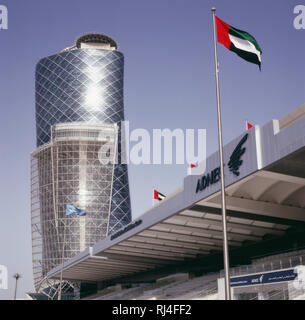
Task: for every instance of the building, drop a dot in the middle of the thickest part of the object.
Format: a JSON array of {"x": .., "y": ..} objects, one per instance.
[
  {"x": 265, "y": 191},
  {"x": 79, "y": 108}
]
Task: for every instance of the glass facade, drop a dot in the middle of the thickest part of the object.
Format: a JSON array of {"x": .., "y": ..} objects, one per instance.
[
  {"x": 77, "y": 90},
  {"x": 70, "y": 170},
  {"x": 85, "y": 85},
  {"x": 78, "y": 85}
]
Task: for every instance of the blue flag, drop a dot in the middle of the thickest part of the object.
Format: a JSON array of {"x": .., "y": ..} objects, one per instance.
[{"x": 71, "y": 210}]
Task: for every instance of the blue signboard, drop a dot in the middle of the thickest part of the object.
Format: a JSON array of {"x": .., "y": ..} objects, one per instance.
[{"x": 264, "y": 278}]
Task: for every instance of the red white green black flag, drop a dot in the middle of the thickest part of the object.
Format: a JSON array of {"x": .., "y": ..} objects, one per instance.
[
  {"x": 238, "y": 41},
  {"x": 158, "y": 195}
]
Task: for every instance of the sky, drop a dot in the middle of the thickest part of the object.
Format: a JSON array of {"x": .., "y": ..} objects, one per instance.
[{"x": 169, "y": 83}]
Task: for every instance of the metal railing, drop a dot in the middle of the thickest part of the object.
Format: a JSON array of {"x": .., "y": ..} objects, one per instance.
[
  {"x": 283, "y": 261},
  {"x": 283, "y": 294}
]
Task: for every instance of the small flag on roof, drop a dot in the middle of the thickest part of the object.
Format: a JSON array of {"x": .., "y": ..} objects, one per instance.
[
  {"x": 158, "y": 195},
  {"x": 190, "y": 167},
  {"x": 248, "y": 125}
]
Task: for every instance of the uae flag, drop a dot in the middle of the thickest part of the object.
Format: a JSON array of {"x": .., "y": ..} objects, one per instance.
[
  {"x": 158, "y": 195},
  {"x": 238, "y": 41},
  {"x": 248, "y": 125}
]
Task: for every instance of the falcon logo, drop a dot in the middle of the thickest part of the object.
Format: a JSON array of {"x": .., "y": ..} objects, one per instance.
[
  {"x": 235, "y": 159},
  {"x": 234, "y": 164}
]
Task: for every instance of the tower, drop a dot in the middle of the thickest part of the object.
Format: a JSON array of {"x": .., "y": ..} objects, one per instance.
[{"x": 79, "y": 109}]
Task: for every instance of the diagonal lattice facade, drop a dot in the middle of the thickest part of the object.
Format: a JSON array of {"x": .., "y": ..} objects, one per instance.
[
  {"x": 70, "y": 170},
  {"x": 80, "y": 85},
  {"x": 85, "y": 85}
]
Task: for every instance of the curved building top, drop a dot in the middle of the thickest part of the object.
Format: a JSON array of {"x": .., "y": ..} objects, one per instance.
[
  {"x": 80, "y": 83},
  {"x": 94, "y": 41},
  {"x": 97, "y": 41}
]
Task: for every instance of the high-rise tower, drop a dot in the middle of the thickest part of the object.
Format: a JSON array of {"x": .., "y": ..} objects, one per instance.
[{"x": 79, "y": 107}]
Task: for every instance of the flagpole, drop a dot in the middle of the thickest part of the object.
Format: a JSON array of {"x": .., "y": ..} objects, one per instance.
[
  {"x": 62, "y": 262},
  {"x": 223, "y": 196}
]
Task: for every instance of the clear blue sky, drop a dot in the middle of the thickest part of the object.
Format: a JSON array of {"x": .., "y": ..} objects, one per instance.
[{"x": 169, "y": 83}]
